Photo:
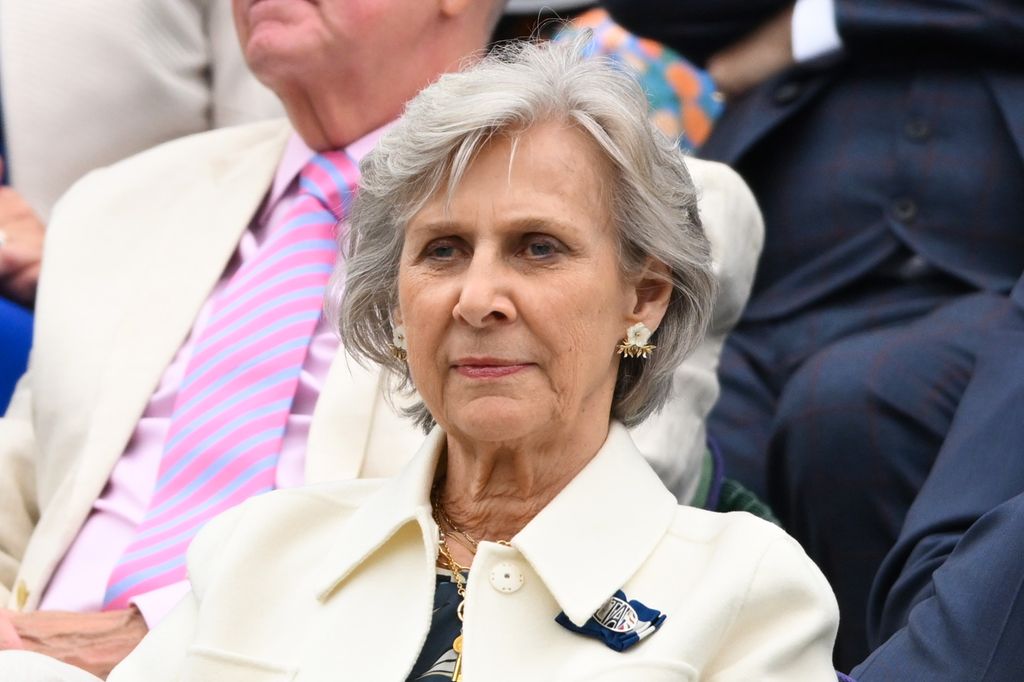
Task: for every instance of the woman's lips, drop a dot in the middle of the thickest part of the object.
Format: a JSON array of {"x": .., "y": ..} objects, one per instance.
[{"x": 488, "y": 369}]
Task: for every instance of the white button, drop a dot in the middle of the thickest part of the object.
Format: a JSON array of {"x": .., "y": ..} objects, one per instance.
[{"x": 506, "y": 577}]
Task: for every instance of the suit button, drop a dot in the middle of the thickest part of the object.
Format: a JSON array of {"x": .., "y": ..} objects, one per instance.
[
  {"x": 904, "y": 210},
  {"x": 21, "y": 595},
  {"x": 913, "y": 268},
  {"x": 918, "y": 129},
  {"x": 507, "y": 577},
  {"x": 787, "y": 93}
]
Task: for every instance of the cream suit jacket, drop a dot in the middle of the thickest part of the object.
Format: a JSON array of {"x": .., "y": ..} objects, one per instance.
[
  {"x": 336, "y": 582},
  {"x": 133, "y": 252}
]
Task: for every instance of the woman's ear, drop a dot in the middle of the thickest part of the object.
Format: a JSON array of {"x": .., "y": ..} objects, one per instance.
[{"x": 653, "y": 290}]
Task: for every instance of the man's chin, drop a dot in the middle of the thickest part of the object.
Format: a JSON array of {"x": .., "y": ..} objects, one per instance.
[{"x": 275, "y": 57}]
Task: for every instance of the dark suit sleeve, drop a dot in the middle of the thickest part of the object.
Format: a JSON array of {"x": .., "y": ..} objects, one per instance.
[
  {"x": 951, "y": 586},
  {"x": 957, "y": 30},
  {"x": 695, "y": 28},
  {"x": 970, "y": 625}
]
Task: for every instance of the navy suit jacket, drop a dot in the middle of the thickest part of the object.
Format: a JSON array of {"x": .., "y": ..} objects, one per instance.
[
  {"x": 948, "y": 603},
  {"x": 910, "y": 142}
]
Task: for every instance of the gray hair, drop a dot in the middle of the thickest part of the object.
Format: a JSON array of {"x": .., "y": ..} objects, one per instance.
[{"x": 519, "y": 85}]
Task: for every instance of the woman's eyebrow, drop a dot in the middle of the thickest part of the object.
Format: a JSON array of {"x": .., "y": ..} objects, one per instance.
[
  {"x": 540, "y": 224},
  {"x": 439, "y": 226},
  {"x": 520, "y": 224}
]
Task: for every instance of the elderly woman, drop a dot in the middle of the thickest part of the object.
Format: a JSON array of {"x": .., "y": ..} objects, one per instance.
[{"x": 527, "y": 254}]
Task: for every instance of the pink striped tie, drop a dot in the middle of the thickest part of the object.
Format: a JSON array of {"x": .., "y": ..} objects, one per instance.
[{"x": 230, "y": 413}]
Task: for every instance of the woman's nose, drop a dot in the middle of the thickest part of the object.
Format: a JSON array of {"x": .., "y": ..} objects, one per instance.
[{"x": 484, "y": 298}]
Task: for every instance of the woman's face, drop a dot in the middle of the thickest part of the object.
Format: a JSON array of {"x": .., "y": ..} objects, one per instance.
[{"x": 512, "y": 296}]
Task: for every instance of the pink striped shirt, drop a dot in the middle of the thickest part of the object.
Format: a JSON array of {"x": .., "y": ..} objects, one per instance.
[{"x": 80, "y": 580}]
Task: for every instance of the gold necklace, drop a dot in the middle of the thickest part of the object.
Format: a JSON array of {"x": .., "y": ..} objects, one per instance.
[
  {"x": 441, "y": 519},
  {"x": 456, "y": 569}
]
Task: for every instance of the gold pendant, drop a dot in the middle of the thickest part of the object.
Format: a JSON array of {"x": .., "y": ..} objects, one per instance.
[{"x": 457, "y": 648}]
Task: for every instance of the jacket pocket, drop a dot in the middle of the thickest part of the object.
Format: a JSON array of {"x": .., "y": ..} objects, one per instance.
[{"x": 204, "y": 664}]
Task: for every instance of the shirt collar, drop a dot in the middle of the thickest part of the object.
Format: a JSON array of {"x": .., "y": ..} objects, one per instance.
[
  {"x": 609, "y": 518},
  {"x": 297, "y": 154}
]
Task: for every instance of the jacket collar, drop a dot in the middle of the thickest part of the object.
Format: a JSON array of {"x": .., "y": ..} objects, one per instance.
[
  {"x": 609, "y": 518},
  {"x": 401, "y": 500}
]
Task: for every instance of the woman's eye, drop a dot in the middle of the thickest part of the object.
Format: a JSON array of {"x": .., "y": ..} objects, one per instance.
[
  {"x": 441, "y": 251},
  {"x": 541, "y": 248}
]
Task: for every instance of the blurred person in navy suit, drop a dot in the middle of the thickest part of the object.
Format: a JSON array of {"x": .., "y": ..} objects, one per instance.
[
  {"x": 885, "y": 144},
  {"x": 947, "y": 603}
]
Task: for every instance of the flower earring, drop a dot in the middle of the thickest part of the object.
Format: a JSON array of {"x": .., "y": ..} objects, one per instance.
[
  {"x": 635, "y": 344},
  {"x": 398, "y": 347}
]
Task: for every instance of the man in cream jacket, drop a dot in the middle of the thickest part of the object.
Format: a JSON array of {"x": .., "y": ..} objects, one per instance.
[{"x": 120, "y": 302}]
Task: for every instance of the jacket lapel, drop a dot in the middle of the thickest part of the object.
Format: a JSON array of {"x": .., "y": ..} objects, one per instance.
[
  {"x": 752, "y": 116},
  {"x": 356, "y": 432},
  {"x": 609, "y": 518},
  {"x": 388, "y": 542},
  {"x": 401, "y": 500},
  {"x": 189, "y": 247},
  {"x": 342, "y": 420}
]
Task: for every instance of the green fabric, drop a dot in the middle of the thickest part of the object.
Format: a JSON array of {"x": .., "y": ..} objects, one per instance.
[
  {"x": 707, "y": 473},
  {"x": 734, "y": 497}
]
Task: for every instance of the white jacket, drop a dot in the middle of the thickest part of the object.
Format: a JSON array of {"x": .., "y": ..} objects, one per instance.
[{"x": 336, "y": 582}]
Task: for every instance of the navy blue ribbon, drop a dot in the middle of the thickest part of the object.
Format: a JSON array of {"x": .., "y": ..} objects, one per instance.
[{"x": 620, "y": 623}]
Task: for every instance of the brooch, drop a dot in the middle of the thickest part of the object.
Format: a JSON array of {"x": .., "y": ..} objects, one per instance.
[{"x": 620, "y": 623}]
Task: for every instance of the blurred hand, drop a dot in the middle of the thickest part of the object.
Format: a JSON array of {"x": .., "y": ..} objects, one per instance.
[
  {"x": 755, "y": 58},
  {"x": 9, "y": 638},
  {"x": 95, "y": 642},
  {"x": 21, "y": 252}
]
